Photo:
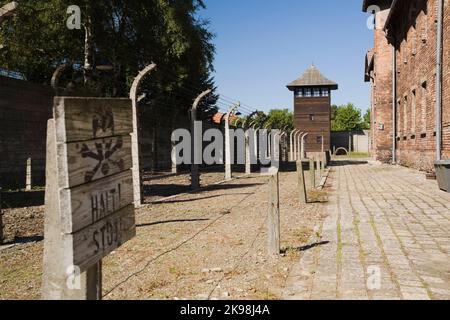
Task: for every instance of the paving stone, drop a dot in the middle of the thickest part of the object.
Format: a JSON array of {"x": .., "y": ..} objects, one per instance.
[{"x": 389, "y": 218}]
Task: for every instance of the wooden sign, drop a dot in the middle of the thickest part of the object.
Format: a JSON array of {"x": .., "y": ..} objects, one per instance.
[{"x": 89, "y": 192}]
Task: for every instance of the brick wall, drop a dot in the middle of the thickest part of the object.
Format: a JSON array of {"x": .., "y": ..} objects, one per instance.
[
  {"x": 446, "y": 83},
  {"x": 414, "y": 31},
  {"x": 24, "y": 111},
  {"x": 382, "y": 93},
  {"x": 416, "y": 85}
]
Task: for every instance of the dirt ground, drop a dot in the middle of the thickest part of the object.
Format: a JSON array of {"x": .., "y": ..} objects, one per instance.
[{"x": 204, "y": 245}]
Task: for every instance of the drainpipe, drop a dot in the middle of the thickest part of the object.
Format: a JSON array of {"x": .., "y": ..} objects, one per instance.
[
  {"x": 439, "y": 81},
  {"x": 394, "y": 103}
]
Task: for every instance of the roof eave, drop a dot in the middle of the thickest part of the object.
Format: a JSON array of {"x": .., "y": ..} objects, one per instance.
[
  {"x": 330, "y": 86},
  {"x": 391, "y": 14}
]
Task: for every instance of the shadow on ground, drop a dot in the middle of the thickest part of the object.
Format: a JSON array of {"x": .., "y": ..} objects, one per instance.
[
  {"x": 24, "y": 240},
  {"x": 19, "y": 199},
  {"x": 169, "y": 221},
  {"x": 305, "y": 248},
  {"x": 168, "y": 190}
]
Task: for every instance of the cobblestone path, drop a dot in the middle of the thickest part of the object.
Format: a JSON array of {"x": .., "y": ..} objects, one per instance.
[{"x": 387, "y": 236}]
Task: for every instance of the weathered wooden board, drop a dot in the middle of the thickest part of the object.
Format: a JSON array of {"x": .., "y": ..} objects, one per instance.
[
  {"x": 89, "y": 203},
  {"x": 80, "y": 119},
  {"x": 95, "y": 242},
  {"x": 84, "y": 162}
]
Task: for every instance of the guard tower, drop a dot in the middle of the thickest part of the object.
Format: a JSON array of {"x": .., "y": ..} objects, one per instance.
[{"x": 312, "y": 108}]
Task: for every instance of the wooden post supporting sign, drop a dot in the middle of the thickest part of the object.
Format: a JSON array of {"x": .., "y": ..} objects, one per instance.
[{"x": 89, "y": 196}]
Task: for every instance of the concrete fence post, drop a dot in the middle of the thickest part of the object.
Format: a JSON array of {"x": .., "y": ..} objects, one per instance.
[
  {"x": 296, "y": 146},
  {"x": 248, "y": 158},
  {"x": 135, "y": 143},
  {"x": 324, "y": 161},
  {"x": 303, "y": 151},
  {"x": 299, "y": 149},
  {"x": 28, "y": 182},
  {"x": 317, "y": 166},
  {"x": 312, "y": 173},
  {"x": 255, "y": 140},
  {"x": 196, "y": 142},
  {"x": 173, "y": 157},
  {"x": 301, "y": 183},
  {"x": 273, "y": 220},
  {"x": 291, "y": 146},
  {"x": 228, "y": 173}
]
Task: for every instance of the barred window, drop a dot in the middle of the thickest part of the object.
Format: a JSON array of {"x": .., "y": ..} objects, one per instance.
[
  {"x": 316, "y": 92},
  {"x": 307, "y": 92},
  {"x": 299, "y": 93}
]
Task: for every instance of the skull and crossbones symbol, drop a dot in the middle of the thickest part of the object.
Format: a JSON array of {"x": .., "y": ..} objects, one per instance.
[{"x": 104, "y": 151}]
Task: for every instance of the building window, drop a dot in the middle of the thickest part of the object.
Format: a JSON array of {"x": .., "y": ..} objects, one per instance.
[
  {"x": 311, "y": 117},
  {"x": 424, "y": 28},
  {"x": 319, "y": 139},
  {"x": 325, "y": 92},
  {"x": 423, "y": 119},
  {"x": 316, "y": 92},
  {"x": 307, "y": 93},
  {"x": 405, "y": 115}
]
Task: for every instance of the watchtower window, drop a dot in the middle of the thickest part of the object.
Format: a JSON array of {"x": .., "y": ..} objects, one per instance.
[
  {"x": 325, "y": 92},
  {"x": 311, "y": 117},
  {"x": 307, "y": 93},
  {"x": 319, "y": 139},
  {"x": 317, "y": 92},
  {"x": 299, "y": 93}
]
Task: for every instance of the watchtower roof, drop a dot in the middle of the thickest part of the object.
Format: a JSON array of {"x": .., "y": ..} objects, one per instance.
[{"x": 312, "y": 78}]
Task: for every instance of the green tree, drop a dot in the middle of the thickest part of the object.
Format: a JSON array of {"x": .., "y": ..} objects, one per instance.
[
  {"x": 347, "y": 118},
  {"x": 334, "y": 109},
  {"x": 280, "y": 119},
  {"x": 125, "y": 34},
  {"x": 367, "y": 120}
]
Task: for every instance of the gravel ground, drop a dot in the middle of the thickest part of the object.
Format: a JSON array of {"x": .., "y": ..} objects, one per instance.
[{"x": 204, "y": 245}]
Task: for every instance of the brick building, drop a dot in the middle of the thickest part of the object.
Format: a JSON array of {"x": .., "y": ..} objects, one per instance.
[
  {"x": 312, "y": 104},
  {"x": 410, "y": 84}
]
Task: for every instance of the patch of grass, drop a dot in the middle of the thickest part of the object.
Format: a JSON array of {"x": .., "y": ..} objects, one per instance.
[
  {"x": 173, "y": 270},
  {"x": 340, "y": 245},
  {"x": 359, "y": 155}
]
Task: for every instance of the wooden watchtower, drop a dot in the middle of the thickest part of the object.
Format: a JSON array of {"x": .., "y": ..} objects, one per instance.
[{"x": 312, "y": 108}]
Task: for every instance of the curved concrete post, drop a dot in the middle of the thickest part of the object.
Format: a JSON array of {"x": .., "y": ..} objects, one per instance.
[
  {"x": 228, "y": 173},
  {"x": 277, "y": 145},
  {"x": 57, "y": 75},
  {"x": 283, "y": 139},
  {"x": 269, "y": 141},
  {"x": 135, "y": 149},
  {"x": 255, "y": 137},
  {"x": 196, "y": 142},
  {"x": 292, "y": 146},
  {"x": 299, "y": 150},
  {"x": 7, "y": 10},
  {"x": 303, "y": 151},
  {"x": 296, "y": 145}
]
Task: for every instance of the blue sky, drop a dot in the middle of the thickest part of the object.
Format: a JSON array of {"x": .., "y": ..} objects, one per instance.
[{"x": 264, "y": 44}]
